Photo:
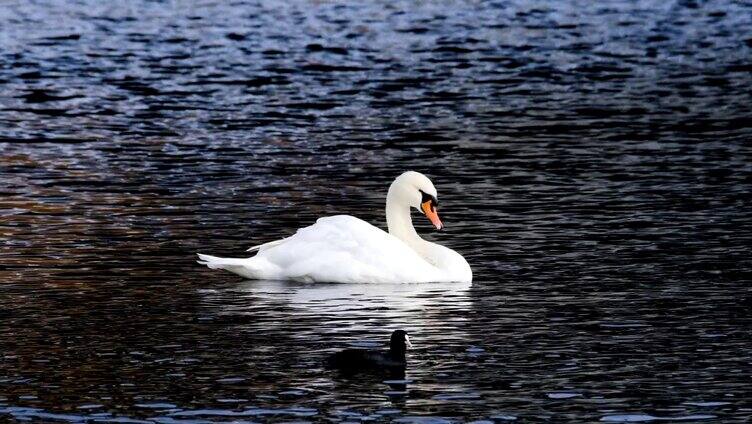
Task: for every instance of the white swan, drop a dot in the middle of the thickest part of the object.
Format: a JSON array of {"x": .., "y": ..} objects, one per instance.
[{"x": 345, "y": 249}]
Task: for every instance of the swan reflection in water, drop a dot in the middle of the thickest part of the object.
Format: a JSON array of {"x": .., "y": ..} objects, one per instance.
[
  {"x": 413, "y": 306},
  {"x": 311, "y": 321}
]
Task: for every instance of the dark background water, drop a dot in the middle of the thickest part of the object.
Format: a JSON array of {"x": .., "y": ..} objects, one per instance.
[{"x": 592, "y": 160}]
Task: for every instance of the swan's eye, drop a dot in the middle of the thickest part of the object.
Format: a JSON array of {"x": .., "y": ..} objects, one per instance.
[
  {"x": 428, "y": 205},
  {"x": 428, "y": 202}
]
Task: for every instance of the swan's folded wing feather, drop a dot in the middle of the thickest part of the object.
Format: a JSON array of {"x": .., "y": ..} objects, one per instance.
[
  {"x": 346, "y": 249},
  {"x": 266, "y": 245}
]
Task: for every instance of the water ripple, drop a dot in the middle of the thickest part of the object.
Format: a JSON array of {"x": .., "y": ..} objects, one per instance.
[{"x": 593, "y": 164}]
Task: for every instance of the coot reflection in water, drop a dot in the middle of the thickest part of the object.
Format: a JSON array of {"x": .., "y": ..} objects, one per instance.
[{"x": 594, "y": 168}]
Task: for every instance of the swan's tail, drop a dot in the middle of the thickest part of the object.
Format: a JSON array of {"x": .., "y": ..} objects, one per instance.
[{"x": 245, "y": 267}]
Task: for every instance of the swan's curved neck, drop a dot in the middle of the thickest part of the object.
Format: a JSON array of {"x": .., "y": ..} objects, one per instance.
[{"x": 399, "y": 222}]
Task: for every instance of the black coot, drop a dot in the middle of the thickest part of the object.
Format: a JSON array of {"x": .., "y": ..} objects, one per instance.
[{"x": 354, "y": 360}]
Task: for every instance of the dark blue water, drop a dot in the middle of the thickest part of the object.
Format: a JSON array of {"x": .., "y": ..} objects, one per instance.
[{"x": 594, "y": 166}]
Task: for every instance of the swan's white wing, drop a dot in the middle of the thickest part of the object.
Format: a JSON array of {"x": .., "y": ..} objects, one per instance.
[
  {"x": 266, "y": 245},
  {"x": 346, "y": 249}
]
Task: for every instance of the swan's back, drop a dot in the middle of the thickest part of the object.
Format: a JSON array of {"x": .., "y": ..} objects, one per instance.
[{"x": 343, "y": 248}]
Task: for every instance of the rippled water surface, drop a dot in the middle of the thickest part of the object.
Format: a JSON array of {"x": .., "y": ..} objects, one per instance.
[{"x": 593, "y": 163}]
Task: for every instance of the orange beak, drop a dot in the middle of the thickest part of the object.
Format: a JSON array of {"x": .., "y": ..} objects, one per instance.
[{"x": 432, "y": 214}]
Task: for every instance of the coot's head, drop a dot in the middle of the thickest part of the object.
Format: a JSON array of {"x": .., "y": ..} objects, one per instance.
[{"x": 399, "y": 341}]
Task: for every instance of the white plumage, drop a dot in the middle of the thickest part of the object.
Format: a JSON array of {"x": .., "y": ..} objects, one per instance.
[
  {"x": 346, "y": 249},
  {"x": 338, "y": 248}
]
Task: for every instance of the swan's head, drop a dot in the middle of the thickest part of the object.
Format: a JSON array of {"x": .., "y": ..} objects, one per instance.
[
  {"x": 416, "y": 190},
  {"x": 400, "y": 340}
]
